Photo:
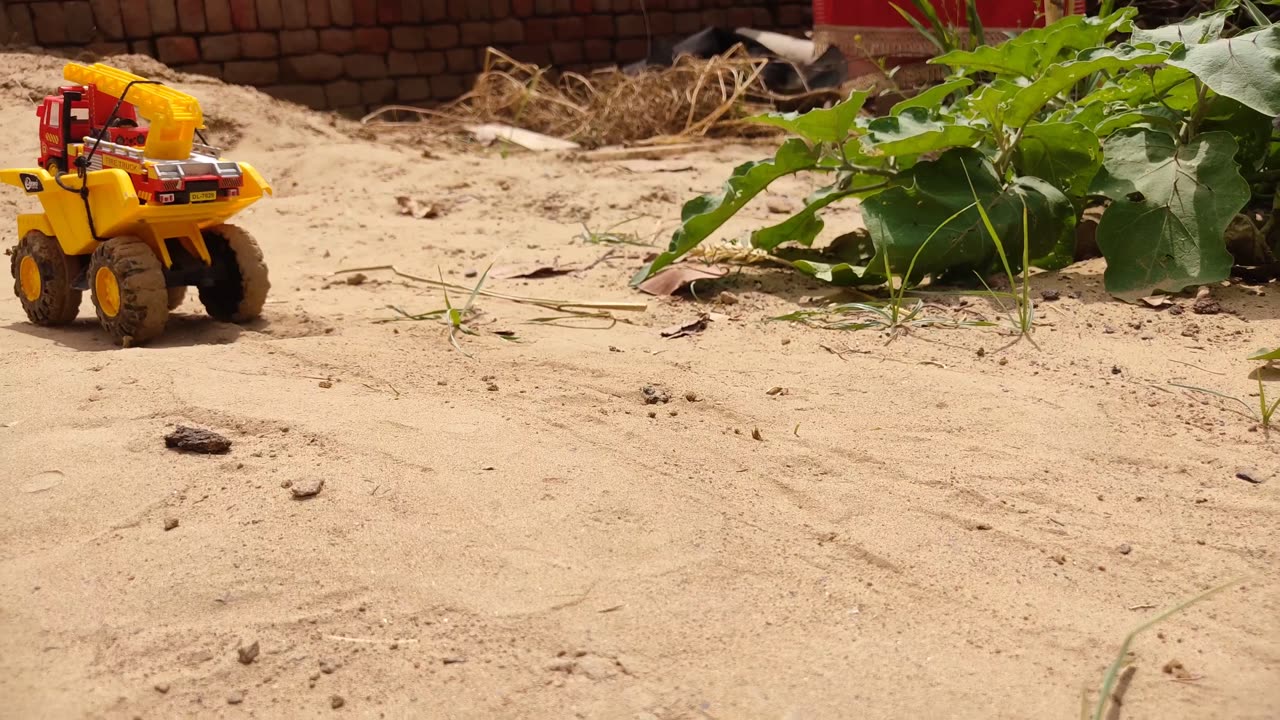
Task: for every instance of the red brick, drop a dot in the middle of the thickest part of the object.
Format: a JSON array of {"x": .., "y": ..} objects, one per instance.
[
  {"x": 377, "y": 92},
  {"x": 317, "y": 67},
  {"x": 598, "y": 26},
  {"x": 458, "y": 9},
  {"x": 761, "y": 18},
  {"x": 508, "y": 31},
  {"x": 539, "y": 31},
  {"x": 298, "y": 42},
  {"x": 448, "y": 87},
  {"x": 536, "y": 54},
  {"x": 687, "y": 23},
  {"x": 478, "y": 10},
  {"x": 499, "y": 9},
  {"x": 430, "y": 62},
  {"x": 334, "y": 40},
  {"x": 569, "y": 28},
  {"x": 252, "y": 72},
  {"x": 632, "y": 49},
  {"x": 136, "y": 17},
  {"x": 217, "y": 48},
  {"x": 477, "y": 33},
  {"x": 739, "y": 17},
  {"x": 598, "y": 50},
  {"x": 440, "y": 37},
  {"x": 342, "y": 12},
  {"x": 365, "y": 66},
  {"x": 522, "y": 8},
  {"x": 372, "y": 40},
  {"x": 50, "y": 23},
  {"x": 632, "y": 26},
  {"x": 24, "y": 30},
  {"x": 106, "y": 14},
  {"x": 664, "y": 23},
  {"x": 544, "y": 7},
  {"x": 244, "y": 15},
  {"x": 318, "y": 15},
  {"x": 259, "y": 45},
  {"x": 413, "y": 89},
  {"x": 142, "y": 47},
  {"x": 191, "y": 16},
  {"x": 342, "y": 93},
  {"x": 411, "y": 11},
  {"x": 400, "y": 63},
  {"x": 433, "y": 10},
  {"x": 209, "y": 69},
  {"x": 582, "y": 7},
  {"x": 714, "y": 17},
  {"x": 365, "y": 12},
  {"x": 270, "y": 14},
  {"x": 80, "y": 27},
  {"x": 409, "y": 38},
  {"x": 794, "y": 16},
  {"x": 311, "y": 96},
  {"x": 177, "y": 50},
  {"x": 295, "y": 14},
  {"x": 390, "y": 12},
  {"x": 164, "y": 17},
  {"x": 461, "y": 60},
  {"x": 217, "y": 15},
  {"x": 109, "y": 49},
  {"x": 563, "y": 53}
]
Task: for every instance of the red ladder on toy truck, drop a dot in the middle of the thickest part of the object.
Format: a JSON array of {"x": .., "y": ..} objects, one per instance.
[{"x": 104, "y": 111}]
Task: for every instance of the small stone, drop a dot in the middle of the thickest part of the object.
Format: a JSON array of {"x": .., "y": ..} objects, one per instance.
[
  {"x": 1004, "y": 361},
  {"x": 307, "y": 488},
  {"x": 653, "y": 395},
  {"x": 327, "y": 667},
  {"x": 1115, "y": 370},
  {"x": 326, "y": 384},
  {"x": 691, "y": 396},
  {"x": 452, "y": 660},
  {"x": 982, "y": 526},
  {"x": 470, "y": 273},
  {"x": 779, "y": 206},
  {"x": 492, "y": 387},
  {"x": 357, "y": 279},
  {"x": 755, "y": 435},
  {"x": 170, "y": 523},
  {"x": 161, "y": 687},
  {"x": 235, "y": 697},
  {"x": 653, "y": 413},
  {"x": 1060, "y": 559},
  {"x": 728, "y": 298},
  {"x": 248, "y": 653},
  {"x": 1125, "y": 549},
  {"x": 336, "y": 701},
  {"x": 1250, "y": 475},
  {"x": 1206, "y": 306},
  {"x": 286, "y": 484},
  {"x": 1050, "y": 295},
  {"x": 195, "y": 440}
]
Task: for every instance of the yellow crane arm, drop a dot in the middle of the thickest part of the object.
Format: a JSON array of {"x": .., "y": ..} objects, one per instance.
[{"x": 174, "y": 116}]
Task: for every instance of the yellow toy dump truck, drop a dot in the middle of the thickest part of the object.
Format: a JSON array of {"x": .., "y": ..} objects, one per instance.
[{"x": 135, "y": 210}]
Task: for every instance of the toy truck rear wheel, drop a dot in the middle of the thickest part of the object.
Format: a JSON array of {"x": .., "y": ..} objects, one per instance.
[
  {"x": 42, "y": 278},
  {"x": 242, "y": 289},
  {"x": 127, "y": 282}
]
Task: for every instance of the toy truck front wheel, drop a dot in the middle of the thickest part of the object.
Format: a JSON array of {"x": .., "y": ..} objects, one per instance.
[
  {"x": 128, "y": 286},
  {"x": 43, "y": 278}
]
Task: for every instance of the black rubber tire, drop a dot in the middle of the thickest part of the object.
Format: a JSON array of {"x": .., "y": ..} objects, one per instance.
[
  {"x": 53, "y": 167},
  {"x": 176, "y": 296},
  {"x": 58, "y": 303},
  {"x": 243, "y": 292},
  {"x": 144, "y": 299}
]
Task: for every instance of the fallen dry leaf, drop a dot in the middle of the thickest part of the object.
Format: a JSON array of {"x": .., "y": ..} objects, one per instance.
[
  {"x": 538, "y": 273},
  {"x": 677, "y": 277},
  {"x": 687, "y": 329},
  {"x": 1158, "y": 301},
  {"x": 418, "y": 209}
]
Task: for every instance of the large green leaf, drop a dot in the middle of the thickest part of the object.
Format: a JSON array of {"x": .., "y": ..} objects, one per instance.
[
  {"x": 933, "y": 97},
  {"x": 703, "y": 215},
  {"x": 1170, "y": 207},
  {"x": 1267, "y": 355},
  {"x": 1170, "y": 86},
  {"x": 902, "y": 218},
  {"x": 805, "y": 225},
  {"x": 1028, "y": 101},
  {"x": 1066, "y": 155},
  {"x": 915, "y": 133},
  {"x": 821, "y": 125},
  {"x": 1245, "y": 68},
  {"x": 1154, "y": 116},
  {"x": 1196, "y": 30},
  {"x": 1030, "y": 52}
]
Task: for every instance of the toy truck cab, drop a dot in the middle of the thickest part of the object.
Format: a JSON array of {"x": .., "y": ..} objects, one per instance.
[{"x": 77, "y": 112}]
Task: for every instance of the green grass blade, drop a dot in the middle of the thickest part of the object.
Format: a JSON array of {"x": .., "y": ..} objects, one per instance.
[
  {"x": 931, "y": 13},
  {"x": 1259, "y": 18},
  {"x": 920, "y": 28},
  {"x": 1224, "y": 396},
  {"x": 977, "y": 33},
  {"x": 1113, "y": 672}
]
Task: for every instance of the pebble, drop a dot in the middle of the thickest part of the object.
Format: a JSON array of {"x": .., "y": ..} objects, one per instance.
[
  {"x": 161, "y": 687},
  {"x": 248, "y": 653},
  {"x": 1050, "y": 295},
  {"x": 357, "y": 279},
  {"x": 336, "y": 701},
  {"x": 779, "y": 206},
  {"x": 983, "y": 526},
  {"x": 326, "y": 384},
  {"x": 236, "y": 697},
  {"x": 307, "y": 488},
  {"x": 170, "y": 523},
  {"x": 195, "y": 440},
  {"x": 1125, "y": 549},
  {"x": 1250, "y": 475},
  {"x": 653, "y": 395},
  {"x": 728, "y": 298},
  {"x": 1206, "y": 306},
  {"x": 327, "y": 667}
]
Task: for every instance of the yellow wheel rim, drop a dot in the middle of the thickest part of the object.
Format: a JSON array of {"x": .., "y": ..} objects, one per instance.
[
  {"x": 106, "y": 290},
  {"x": 29, "y": 278}
]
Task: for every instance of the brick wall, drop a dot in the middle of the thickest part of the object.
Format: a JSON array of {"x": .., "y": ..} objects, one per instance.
[{"x": 351, "y": 55}]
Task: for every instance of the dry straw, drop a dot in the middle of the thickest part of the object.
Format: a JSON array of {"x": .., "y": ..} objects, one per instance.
[{"x": 693, "y": 98}]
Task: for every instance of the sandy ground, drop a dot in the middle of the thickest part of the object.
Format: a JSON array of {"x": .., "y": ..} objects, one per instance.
[{"x": 929, "y": 528}]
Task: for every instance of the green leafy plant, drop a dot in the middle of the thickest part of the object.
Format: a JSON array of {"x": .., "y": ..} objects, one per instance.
[
  {"x": 1170, "y": 129},
  {"x": 1266, "y": 409},
  {"x": 945, "y": 36}
]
